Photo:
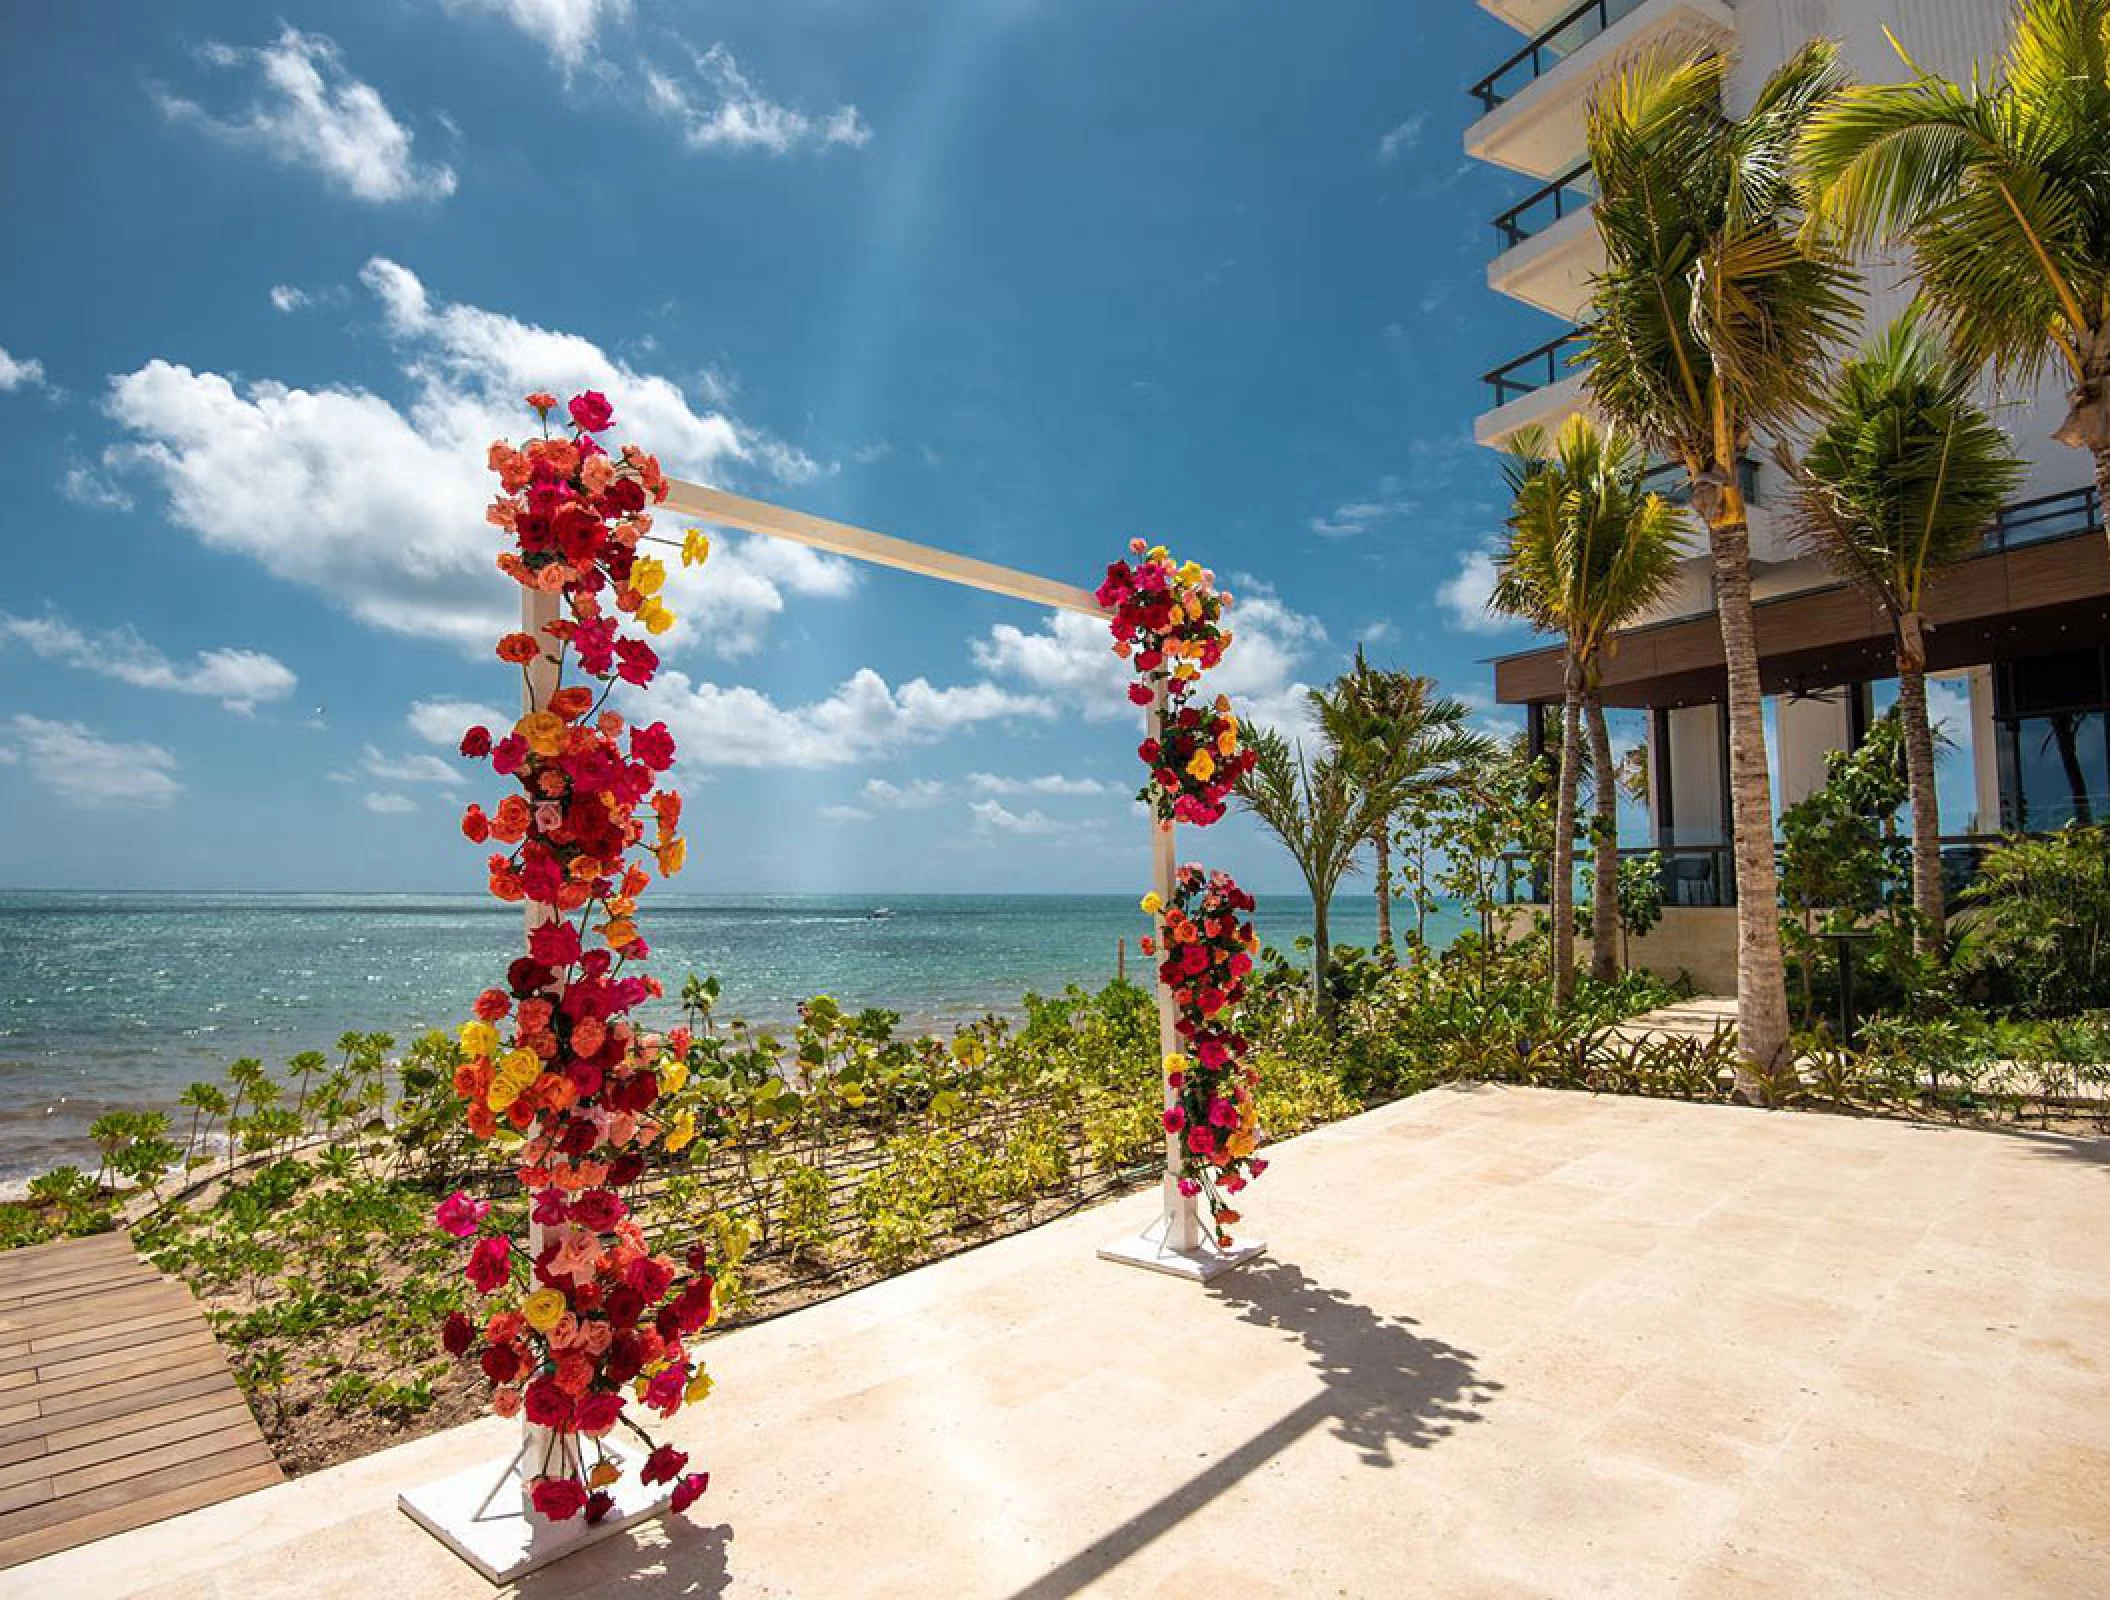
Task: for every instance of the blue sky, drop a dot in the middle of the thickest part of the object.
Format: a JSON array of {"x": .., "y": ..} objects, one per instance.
[{"x": 1019, "y": 279}]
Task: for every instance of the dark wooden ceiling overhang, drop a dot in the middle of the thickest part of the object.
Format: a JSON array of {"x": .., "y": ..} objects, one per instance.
[{"x": 2020, "y": 602}]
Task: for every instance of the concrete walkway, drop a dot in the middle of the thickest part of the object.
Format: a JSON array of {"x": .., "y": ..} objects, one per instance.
[
  {"x": 1701, "y": 1017},
  {"x": 1507, "y": 1343}
]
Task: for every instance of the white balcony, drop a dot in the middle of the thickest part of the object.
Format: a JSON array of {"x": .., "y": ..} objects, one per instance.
[
  {"x": 1536, "y": 100},
  {"x": 1548, "y": 406},
  {"x": 1528, "y": 17},
  {"x": 1552, "y": 269}
]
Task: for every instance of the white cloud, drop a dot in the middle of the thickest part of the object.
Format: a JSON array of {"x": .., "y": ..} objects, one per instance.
[
  {"x": 1360, "y": 516},
  {"x": 919, "y": 794},
  {"x": 1464, "y": 594},
  {"x": 718, "y": 726},
  {"x": 1377, "y": 632},
  {"x": 1401, "y": 137},
  {"x": 1050, "y": 783},
  {"x": 568, "y": 28},
  {"x": 85, "y": 486},
  {"x": 19, "y": 372},
  {"x": 995, "y": 817},
  {"x": 845, "y": 814},
  {"x": 238, "y": 679},
  {"x": 285, "y": 297},
  {"x": 417, "y": 766},
  {"x": 1071, "y": 656},
  {"x": 311, "y": 112},
  {"x": 720, "y": 108},
  {"x": 81, "y": 767},
  {"x": 444, "y": 722},
  {"x": 386, "y": 804},
  {"x": 299, "y": 480}
]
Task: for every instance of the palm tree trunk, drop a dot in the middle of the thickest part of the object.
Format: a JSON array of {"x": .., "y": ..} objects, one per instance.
[
  {"x": 1381, "y": 842},
  {"x": 1761, "y": 976},
  {"x": 1321, "y": 960},
  {"x": 1604, "y": 849},
  {"x": 1561, "y": 893},
  {"x": 1929, "y": 922}
]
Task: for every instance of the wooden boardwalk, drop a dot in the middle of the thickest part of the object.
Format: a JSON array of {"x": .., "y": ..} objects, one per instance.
[{"x": 116, "y": 1406}]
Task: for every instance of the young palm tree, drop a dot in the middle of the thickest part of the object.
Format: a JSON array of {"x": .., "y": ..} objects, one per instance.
[
  {"x": 1321, "y": 815},
  {"x": 1589, "y": 552},
  {"x": 1712, "y": 319},
  {"x": 1903, "y": 476},
  {"x": 1399, "y": 738},
  {"x": 2001, "y": 187}
]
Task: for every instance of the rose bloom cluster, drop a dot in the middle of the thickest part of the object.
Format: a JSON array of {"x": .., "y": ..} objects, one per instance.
[
  {"x": 590, "y": 1317},
  {"x": 1168, "y": 623},
  {"x": 1205, "y": 948}
]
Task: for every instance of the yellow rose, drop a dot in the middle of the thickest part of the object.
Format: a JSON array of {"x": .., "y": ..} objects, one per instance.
[
  {"x": 604, "y": 1473},
  {"x": 682, "y": 1133},
  {"x": 673, "y": 1073},
  {"x": 647, "y": 575},
  {"x": 543, "y": 731},
  {"x": 520, "y": 1067},
  {"x": 701, "y": 1385},
  {"x": 656, "y": 617},
  {"x": 542, "y": 1310},
  {"x": 1203, "y": 766},
  {"x": 479, "y": 1038},
  {"x": 1151, "y": 904},
  {"x": 502, "y": 1095},
  {"x": 695, "y": 548},
  {"x": 1175, "y": 1063},
  {"x": 1239, "y": 1146}
]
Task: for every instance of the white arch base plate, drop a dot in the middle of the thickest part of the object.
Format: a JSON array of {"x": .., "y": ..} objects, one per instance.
[
  {"x": 1205, "y": 1261},
  {"x": 477, "y": 1515}
]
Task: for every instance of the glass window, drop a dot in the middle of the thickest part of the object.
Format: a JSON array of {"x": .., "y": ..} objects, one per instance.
[{"x": 2061, "y": 770}]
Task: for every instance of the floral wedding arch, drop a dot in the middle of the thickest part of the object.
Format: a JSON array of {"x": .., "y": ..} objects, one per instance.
[{"x": 585, "y": 1319}]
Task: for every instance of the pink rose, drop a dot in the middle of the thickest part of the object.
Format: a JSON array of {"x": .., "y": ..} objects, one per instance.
[
  {"x": 461, "y": 1216},
  {"x": 690, "y": 1490},
  {"x": 591, "y": 412}
]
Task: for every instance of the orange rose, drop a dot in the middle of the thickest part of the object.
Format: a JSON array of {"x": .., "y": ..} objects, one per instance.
[
  {"x": 518, "y": 648},
  {"x": 543, "y": 731},
  {"x": 572, "y": 703}
]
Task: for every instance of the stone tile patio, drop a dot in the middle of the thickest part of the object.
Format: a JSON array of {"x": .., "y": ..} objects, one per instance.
[{"x": 1506, "y": 1343}]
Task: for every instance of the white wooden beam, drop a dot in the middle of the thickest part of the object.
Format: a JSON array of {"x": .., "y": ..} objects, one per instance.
[{"x": 840, "y": 538}]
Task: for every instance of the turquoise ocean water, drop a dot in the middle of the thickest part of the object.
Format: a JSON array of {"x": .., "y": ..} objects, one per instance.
[{"x": 118, "y": 1000}]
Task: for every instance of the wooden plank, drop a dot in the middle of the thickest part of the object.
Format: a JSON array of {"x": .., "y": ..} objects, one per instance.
[
  {"x": 120, "y": 1514},
  {"x": 24, "y": 1496},
  {"x": 231, "y": 1445},
  {"x": 75, "y": 1290},
  {"x": 227, "y": 1400},
  {"x": 133, "y": 1451},
  {"x": 86, "y": 1340},
  {"x": 170, "y": 1383},
  {"x": 148, "y": 1354},
  {"x": 862, "y": 544},
  {"x": 43, "y": 1321},
  {"x": 32, "y": 1256},
  {"x": 103, "y": 1496},
  {"x": 91, "y": 1275}
]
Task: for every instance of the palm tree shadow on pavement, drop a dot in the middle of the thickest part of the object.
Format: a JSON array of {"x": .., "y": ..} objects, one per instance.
[{"x": 1384, "y": 1387}]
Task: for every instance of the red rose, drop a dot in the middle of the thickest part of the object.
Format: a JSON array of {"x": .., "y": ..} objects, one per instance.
[
  {"x": 547, "y": 1405},
  {"x": 591, "y": 412},
  {"x": 597, "y": 1413},
  {"x": 599, "y": 1210},
  {"x": 599, "y": 1504},
  {"x": 490, "y": 1264},
  {"x": 689, "y": 1490},
  {"x": 664, "y": 1464},
  {"x": 559, "y": 1499},
  {"x": 493, "y": 1004},
  {"x": 476, "y": 743},
  {"x": 457, "y": 1333},
  {"x": 502, "y": 1363}
]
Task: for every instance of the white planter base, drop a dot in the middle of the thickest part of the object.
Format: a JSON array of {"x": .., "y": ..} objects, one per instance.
[
  {"x": 477, "y": 1514},
  {"x": 1205, "y": 1261}
]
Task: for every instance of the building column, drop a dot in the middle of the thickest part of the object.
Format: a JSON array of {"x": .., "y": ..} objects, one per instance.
[
  {"x": 1985, "y": 753},
  {"x": 1809, "y": 730}
]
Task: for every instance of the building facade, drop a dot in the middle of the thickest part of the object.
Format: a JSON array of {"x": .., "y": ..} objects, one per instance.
[{"x": 2021, "y": 631}]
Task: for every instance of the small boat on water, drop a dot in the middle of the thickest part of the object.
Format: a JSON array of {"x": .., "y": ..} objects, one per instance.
[{"x": 879, "y": 913}]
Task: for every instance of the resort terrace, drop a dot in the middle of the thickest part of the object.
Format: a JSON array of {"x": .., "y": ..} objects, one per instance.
[{"x": 1507, "y": 1342}]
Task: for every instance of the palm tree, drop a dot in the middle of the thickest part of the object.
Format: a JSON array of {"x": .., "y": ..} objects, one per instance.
[
  {"x": 1321, "y": 815},
  {"x": 2000, "y": 186},
  {"x": 1712, "y": 319},
  {"x": 1589, "y": 552},
  {"x": 1903, "y": 476},
  {"x": 1399, "y": 738}
]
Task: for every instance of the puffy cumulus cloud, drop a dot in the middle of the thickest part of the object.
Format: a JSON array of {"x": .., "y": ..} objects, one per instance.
[
  {"x": 82, "y": 768},
  {"x": 568, "y": 29},
  {"x": 719, "y": 726},
  {"x": 445, "y": 721},
  {"x": 993, "y": 816},
  {"x": 286, "y": 299},
  {"x": 383, "y": 803},
  {"x": 1464, "y": 595},
  {"x": 417, "y": 766},
  {"x": 311, "y": 112},
  {"x": 845, "y": 814},
  {"x": 239, "y": 679},
  {"x": 1048, "y": 783},
  {"x": 379, "y": 508},
  {"x": 919, "y": 794},
  {"x": 19, "y": 372},
  {"x": 717, "y": 106},
  {"x": 1070, "y": 656}
]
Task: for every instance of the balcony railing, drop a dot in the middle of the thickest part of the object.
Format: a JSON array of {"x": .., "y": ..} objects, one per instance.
[
  {"x": 1566, "y": 36},
  {"x": 1670, "y": 481},
  {"x": 1705, "y": 874},
  {"x": 1535, "y": 369},
  {"x": 1536, "y": 212},
  {"x": 2050, "y": 516}
]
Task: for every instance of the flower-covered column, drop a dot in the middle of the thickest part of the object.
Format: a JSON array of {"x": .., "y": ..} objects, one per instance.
[{"x": 1168, "y": 622}]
